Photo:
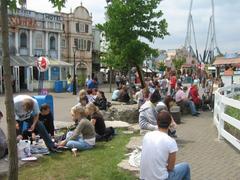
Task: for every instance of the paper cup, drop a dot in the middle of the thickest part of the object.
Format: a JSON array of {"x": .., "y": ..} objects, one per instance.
[{"x": 74, "y": 150}]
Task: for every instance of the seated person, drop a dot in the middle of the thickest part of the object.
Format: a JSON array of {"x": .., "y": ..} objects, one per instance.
[
  {"x": 83, "y": 136},
  {"x": 158, "y": 155},
  {"x": 182, "y": 100},
  {"x": 46, "y": 117},
  {"x": 148, "y": 113},
  {"x": 143, "y": 96},
  {"x": 101, "y": 101},
  {"x": 194, "y": 95},
  {"x": 90, "y": 96},
  {"x": 27, "y": 120},
  {"x": 115, "y": 95},
  {"x": 123, "y": 95},
  {"x": 3, "y": 141},
  {"x": 82, "y": 98},
  {"x": 102, "y": 133}
]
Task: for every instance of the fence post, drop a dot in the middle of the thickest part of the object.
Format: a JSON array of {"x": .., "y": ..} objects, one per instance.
[{"x": 221, "y": 120}]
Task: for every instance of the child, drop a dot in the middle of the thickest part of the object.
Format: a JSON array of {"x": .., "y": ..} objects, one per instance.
[{"x": 47, "y": 118}]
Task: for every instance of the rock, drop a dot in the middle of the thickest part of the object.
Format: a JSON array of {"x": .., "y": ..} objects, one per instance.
[
  {"x": 117, "y": 124},
  {"x": 62, "y": 124},
  {"x": 124, "y": 165},
  {"x": 122, "y": 112},
  {"x": 134, "y": 127},
  {"x": 134, "y": 143}
]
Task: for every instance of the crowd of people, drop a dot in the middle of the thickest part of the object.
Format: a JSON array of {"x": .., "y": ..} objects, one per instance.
[{"x": 154, "y": 102}]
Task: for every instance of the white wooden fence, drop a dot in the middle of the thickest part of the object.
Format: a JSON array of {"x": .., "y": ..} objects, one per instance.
[{"x": 223, "y": 98}]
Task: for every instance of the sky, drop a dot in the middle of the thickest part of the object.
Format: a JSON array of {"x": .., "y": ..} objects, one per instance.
[{"x": 227, "y": 20}]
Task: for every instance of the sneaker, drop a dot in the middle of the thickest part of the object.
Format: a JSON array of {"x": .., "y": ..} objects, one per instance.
[{"x": 55, "y": 150}]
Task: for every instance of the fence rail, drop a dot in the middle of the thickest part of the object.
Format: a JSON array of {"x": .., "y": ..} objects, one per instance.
[{"x": 223, "y": 99}]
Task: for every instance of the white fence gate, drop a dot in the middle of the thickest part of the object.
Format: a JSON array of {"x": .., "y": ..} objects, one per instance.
[{"x": 223, "y": 98}]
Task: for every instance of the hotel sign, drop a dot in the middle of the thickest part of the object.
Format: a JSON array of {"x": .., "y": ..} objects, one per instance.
[{"x": 16, "y": 21}]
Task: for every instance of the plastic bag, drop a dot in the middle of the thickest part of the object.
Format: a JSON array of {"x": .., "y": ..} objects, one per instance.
[{"x": 24, "y": 149}]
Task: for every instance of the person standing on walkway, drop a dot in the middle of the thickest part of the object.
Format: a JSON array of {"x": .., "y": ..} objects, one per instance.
[
  {"x": 159, "y": 154},
  {"x": 27, "y": 120}
]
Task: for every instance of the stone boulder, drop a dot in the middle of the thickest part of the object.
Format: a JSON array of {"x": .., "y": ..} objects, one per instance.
[{"x": 122, "y": 112}]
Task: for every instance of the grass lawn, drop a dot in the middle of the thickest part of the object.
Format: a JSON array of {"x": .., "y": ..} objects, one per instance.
[{"x": 99, "y": 163}]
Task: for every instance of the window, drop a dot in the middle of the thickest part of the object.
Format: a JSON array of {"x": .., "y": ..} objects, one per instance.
[
  {"x": 23, "y": 40},
  {"x": 63, "y": 27},
  {"x": 76, "y": 43},
  {"x": 86, "y": 28},
  {"x": 89, "y": 45},
  {"x": 39, "y": 43},
  {"x": 63, "y": 43},
  {"x": 81, "y": 44},
  {"x": 77, "y": 27},
  {"x": 52, "y": 43},
  {"x": 82, "y": 27}
]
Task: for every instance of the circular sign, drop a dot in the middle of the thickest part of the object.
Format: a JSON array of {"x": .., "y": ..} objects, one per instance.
[{"x": 42, "y": 64}]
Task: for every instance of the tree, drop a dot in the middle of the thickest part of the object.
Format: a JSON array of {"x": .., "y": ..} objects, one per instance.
[
  {"x": 128, "y": 22},
  {"x": 178, "y": 62},
  {"x": 12, "y": 147}
]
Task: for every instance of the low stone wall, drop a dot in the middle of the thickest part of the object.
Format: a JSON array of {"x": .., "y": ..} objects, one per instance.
[{"x": 122, "y": 112}]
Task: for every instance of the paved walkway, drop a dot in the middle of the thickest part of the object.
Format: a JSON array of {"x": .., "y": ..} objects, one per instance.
[{"x": 209, "y": 158}]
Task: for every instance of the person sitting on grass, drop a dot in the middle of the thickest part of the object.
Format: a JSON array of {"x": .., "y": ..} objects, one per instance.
[
  {"x": 158, "y": 155},
  {"x": 123, "y": 94},
  {"x": 46, "y": 117},
  {"x": 82, "y": 98},
  {"x": 102, "y": 133},
  {"x": 101, "y": 101},
  {"x": 3, "y": 141},
  {"x": 83, "y": 136}
]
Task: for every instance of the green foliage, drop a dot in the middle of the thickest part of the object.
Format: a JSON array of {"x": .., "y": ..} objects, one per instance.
[
  {"x": 161, "y": 66},
  {"x": 178, "y": 62},
  {"x": 99, "y": 163},
  {"x": 128, "y": 21}
]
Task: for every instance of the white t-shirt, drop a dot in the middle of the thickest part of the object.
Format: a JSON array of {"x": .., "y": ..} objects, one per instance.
[{"x": 156, "y": 148}]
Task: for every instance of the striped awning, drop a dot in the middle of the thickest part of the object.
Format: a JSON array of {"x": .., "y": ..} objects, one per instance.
[{"x": 25, "y": 61}]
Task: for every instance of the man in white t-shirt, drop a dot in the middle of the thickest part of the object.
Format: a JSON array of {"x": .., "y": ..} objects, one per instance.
[{"x": 159, "y": 154}]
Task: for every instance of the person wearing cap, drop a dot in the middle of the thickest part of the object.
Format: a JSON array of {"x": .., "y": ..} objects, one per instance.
[
  {"x": 158, "y": 155},
  {"x": 148, "y": 113},
  {"x": 27, "y": 120},
  {"x": 182, "y": 100}
]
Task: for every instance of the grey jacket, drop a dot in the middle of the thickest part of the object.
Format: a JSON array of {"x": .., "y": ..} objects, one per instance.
[{"x": 148, "y": 116}]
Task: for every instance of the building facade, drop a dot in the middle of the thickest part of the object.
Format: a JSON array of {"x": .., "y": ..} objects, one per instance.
[
  {"x": 33, "y": 34},
  {"x": 77, "y": 33}
]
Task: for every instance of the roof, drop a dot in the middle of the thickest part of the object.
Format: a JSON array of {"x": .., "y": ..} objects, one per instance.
[
  {"x": 223, "y": 61},
  {"x": 30, "y": 61}
]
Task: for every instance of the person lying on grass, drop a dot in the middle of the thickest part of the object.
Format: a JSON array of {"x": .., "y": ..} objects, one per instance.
[{"x": 83, "y": 136}]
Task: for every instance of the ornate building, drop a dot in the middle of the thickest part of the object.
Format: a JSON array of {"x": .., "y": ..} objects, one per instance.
[{"x": 77, "y": 33}]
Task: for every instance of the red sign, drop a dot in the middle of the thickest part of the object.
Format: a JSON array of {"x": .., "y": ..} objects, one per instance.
[{"x": 22, "y": 21}]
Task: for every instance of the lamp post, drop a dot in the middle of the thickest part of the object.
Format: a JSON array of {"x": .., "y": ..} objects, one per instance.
[{"x": 74, "y": 70}]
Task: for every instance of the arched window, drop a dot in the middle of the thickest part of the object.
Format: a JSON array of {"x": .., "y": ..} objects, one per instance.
[
  {"x": 52, "y": 43},
  {"x": 39, "y": 41},
  {"x": 23, "y": 40}
]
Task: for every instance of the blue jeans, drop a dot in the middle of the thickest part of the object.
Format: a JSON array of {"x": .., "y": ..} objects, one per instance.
[
  {"x": 181, "y": 171},
  {"x": 25, "y": 125},
  {"x": 80, "y": 144},
  {"x": 192, "y": 107}
]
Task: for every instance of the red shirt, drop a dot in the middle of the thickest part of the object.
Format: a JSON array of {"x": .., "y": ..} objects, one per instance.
[{"x": 173, "y": 81}]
